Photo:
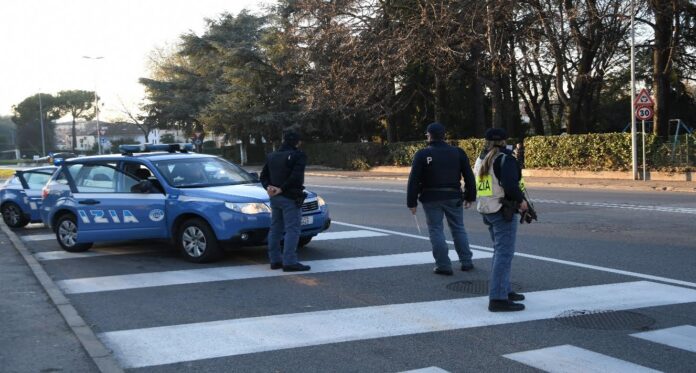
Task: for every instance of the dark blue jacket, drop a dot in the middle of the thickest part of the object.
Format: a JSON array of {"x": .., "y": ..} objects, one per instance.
[
  {"x": 440, "y": 166},
  {"x": 285, "y": 169}
]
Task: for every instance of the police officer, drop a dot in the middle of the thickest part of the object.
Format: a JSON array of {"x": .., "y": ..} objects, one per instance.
[
  {"x": 283, "y": 178},
  {"x": 499, "y": 197},
  {"x": 435, "y": 181}
]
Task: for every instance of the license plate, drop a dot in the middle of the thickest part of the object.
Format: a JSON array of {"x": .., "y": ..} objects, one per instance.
[{"x": 306, "y": 220}]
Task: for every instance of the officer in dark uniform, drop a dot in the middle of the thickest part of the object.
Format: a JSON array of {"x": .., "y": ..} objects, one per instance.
[
  {"x": 435, "y": 181},
  {"x": 283, "y": 178}
]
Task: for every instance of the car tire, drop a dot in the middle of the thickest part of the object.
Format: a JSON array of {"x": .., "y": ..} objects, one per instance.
[
  {"x": 304, "y": 241},
  {"x": 66, "y": 234},
  {"x": 13, "y": 216},
  {"x": 197, "y": 242}
]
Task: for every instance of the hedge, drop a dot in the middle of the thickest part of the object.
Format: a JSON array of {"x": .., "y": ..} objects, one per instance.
[{"x": 590, "y": 152}]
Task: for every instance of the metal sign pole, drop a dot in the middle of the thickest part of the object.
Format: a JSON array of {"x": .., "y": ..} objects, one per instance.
[
  {"x": 645, "y": 172},
  {"x": 634, "y": 151}
]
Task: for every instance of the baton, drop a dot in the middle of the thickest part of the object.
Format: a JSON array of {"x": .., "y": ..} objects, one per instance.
[{"x": 415, "y": 219}]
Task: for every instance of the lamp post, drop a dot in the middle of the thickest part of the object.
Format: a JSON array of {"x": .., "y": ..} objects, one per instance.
[
  {"x": 96, "y": 102},
  {"x": 43, "y": 137}
]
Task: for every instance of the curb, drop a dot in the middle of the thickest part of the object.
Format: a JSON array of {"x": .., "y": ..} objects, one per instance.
[
  {"x": 598, "y": 185},
  {"x": 101, "y": 356}
]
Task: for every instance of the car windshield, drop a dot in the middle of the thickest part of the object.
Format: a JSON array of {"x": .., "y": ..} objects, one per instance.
[{"x": 202, "y": 172}]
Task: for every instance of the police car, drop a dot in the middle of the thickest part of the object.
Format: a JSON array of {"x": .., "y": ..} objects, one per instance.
[
  {"x": 20, "y": 196},
  {"x": 164, "y": 191}
]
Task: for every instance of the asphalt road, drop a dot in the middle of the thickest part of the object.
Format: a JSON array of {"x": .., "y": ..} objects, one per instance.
[{"x": 372, "y": 303}]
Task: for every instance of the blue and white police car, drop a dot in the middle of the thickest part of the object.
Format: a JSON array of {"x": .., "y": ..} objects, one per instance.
[
  {"x": 20, "y": 196},
  {"x": 164, "y": 191}
]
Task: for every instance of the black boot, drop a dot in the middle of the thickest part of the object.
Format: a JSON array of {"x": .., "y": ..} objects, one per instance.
[
  {"x": 504, "y": 306},
  {"x": 297, "y": 267},
  {"x": 515, "y": 297}
]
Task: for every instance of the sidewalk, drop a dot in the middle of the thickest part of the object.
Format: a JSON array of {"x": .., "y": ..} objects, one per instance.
[
  {"x": 401, "y": 173},
  {"x": 40, "y": 331}
]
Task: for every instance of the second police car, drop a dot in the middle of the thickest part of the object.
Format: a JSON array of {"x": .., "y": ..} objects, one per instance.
[
  {"x": 20, "y": 196},
  {"x": 199, "y": 201}
]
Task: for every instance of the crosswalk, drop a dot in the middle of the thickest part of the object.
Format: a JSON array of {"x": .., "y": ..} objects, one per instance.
[
  {"x": 161, "y": 343},
  {"x": 177, "y": 343}
]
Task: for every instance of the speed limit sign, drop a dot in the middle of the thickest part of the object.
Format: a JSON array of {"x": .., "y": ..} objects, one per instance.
[{"x": 644, "y": 113}]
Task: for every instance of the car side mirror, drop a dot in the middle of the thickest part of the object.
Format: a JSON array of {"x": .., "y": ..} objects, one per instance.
[{"x": 255, "y": 175}]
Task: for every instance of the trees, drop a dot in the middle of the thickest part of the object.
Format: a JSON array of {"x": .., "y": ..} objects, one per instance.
[
  {"x": 27, "y": 116},
  {"x": 356, "y": 70},
  {"x": 145, "y": 124},
  {"x": 673, "y": 46},
  {"x": 78, "y": 104}
]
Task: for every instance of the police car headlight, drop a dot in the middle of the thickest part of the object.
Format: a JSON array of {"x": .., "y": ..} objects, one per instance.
[
  {"x": 248, "y": 208},
  {"x": 321, "y": 201}
]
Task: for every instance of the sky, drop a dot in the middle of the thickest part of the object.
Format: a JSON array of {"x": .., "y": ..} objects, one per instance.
[{"x": 42, "y": 44}]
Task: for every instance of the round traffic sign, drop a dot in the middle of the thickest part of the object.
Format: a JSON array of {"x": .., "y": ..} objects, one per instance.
[{"x": 644, "y": 113}]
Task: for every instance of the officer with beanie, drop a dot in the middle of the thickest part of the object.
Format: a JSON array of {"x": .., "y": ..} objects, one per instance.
[
  {"x": 435, "y": 181},
  {"x": 499, "y": 197},
  {"x": 283, "y": 178}
]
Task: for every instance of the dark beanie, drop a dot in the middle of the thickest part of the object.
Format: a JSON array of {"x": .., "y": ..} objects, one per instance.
[
  {"x": 436, "y": 130},
  {"x": 496, "y": 134},
  {"x": 291, "y": 137}
]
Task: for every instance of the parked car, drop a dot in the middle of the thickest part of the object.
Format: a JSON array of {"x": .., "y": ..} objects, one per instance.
[
  {"x": 20, "y": 196},
  {"x": 201, "y": 202}
]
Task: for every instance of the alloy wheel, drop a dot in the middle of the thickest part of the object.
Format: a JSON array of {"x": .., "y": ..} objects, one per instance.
[
  {"x": 194, "y": 241},
  {"x": 67, "y": 232}
]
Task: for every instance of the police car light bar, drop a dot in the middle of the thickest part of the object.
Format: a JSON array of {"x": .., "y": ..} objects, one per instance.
[
  {"x": 142, "y": 148},
  {"x": 130, "y": 149}
]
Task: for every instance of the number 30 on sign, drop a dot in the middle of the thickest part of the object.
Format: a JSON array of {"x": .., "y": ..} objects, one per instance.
[{"x": 644, "y": 113}]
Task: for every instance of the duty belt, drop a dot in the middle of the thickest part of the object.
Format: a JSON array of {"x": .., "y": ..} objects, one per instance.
[{"x": 442, "y": 190}]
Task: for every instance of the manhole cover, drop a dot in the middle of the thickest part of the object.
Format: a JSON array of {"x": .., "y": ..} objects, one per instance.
[
  {"x": 477, "y": 287},
  {"x": 605, "y": 319}
]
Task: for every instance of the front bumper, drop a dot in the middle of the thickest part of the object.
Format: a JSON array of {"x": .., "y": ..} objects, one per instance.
[{"x": 259, "y": 236}]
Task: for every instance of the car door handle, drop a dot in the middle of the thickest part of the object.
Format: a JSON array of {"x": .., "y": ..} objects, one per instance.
[{"x": 89, "y": 202}]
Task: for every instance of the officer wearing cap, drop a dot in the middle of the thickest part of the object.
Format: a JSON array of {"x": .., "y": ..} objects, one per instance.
[
  {"x": 283, "y": 178},
  {"x": 499, "y": 196},
  {"x": 435, "y": 181}
]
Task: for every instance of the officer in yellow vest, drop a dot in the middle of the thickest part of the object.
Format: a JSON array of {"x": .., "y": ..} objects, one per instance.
[{"x": 499, "y": 193}]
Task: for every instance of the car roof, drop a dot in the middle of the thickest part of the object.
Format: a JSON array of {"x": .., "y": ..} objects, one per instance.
[
  {"x": 153, "y": 156},
  {"x": 40, "y": 168}
]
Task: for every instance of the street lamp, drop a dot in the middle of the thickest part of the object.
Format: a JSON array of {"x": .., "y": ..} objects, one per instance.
[
  {"x": 96, "y": 102},
  {"x": 43, "y": 137}
]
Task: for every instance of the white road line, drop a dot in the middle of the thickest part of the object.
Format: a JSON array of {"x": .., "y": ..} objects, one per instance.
[
  {"x": 38, "y": 237},
  {"x": 398, "y": 191},
  {"x": 683, "y": 337},
  {"x": 670, "y": 209},
  {"x": 347, "y": 234},
  {"x": 194, "y": 276},
  {"x": 571, "y": 359},
  {"x": 60, "y": 255},
  {"x": 426, "y": 370},
  {"x": 542, "y": 258},
  {"x": 188, "y": 342},
  {"x": 678, "y": 210}
]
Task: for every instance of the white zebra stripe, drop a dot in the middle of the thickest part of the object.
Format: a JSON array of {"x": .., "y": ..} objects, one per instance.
[
  {"x": 682, "y": 337},
  {"x": 571, "y": 359},
  {"x": 188, "y": 342},
  {"x": 195, "y": 276}
]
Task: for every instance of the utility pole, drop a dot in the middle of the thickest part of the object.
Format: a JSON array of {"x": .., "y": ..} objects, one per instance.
[{"x": 43, "y": 137}]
